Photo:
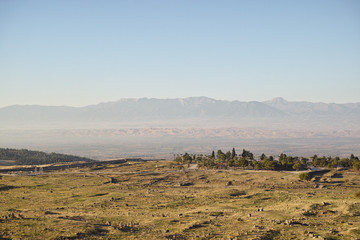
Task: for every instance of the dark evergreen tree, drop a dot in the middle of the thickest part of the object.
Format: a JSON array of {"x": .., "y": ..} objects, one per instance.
[
  {"x": 27, "y": 157},
  {"x": 233, "y": 153}
]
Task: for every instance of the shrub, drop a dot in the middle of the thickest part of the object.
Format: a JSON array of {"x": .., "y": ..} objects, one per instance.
[
  {"x": 216, "y": 214},
  {"x": 236, "y": 193},
  {"x": 305, "y": 176},
  {"x": 357, "y": 194}
]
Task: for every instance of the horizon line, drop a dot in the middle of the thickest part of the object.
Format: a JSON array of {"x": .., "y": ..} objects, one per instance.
[{"x": 175, "y": 98}]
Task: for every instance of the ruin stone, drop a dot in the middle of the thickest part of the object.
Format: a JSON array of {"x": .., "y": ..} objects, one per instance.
[
  {"x": 183, "y": 184},
  {"x": 112, "y": 180}
]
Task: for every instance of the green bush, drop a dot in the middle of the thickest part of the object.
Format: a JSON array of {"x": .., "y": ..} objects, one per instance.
[{"x": 305, "y": 176}]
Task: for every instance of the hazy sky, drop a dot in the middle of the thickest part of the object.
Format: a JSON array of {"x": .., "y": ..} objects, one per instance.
[{"x": 84, "y": 52}]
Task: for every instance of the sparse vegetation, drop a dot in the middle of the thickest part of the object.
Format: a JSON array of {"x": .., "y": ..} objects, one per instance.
[
  {"x": 283, "y": 162},
  {"x": 329, "y": 162},
  {"x": 245, "y": 160},
  {"x": 357, "y": 194},
  {"x": 144, "y": 200},
  {"x": 305, "y": 176}
]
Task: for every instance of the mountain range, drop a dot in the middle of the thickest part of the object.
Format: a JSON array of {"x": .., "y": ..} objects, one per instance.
[
  {"x": 148, "y": 127},
  {"x": 193, "y": 111}
]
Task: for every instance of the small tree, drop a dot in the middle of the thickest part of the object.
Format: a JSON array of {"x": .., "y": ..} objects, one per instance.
[
  {"x": 242, "y": 162},
  {"x": 356, "y": 165},
  {"x": 247, "y": 154},
  {"x": 187, "y": 158},
  {"x": 178, "y": 159},
  {"x": 233, "y": 153},
  {"x": 220, "y": 156},
  {"x": 228, "y": 155}
]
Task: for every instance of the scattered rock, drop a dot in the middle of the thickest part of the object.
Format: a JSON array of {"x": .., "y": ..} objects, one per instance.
[
  {"x": 112, "y": 180},
  {"x": 183, "y": 184},
  {"x": 216, "y": 214},
  {"x": 195, "y": 225},
  {"x": 229, "y": 183},
  {"x": 258, "y": 227},
  {"x": 175, "y": 236},
  {"x": 50, "y": 213},
  {"x": 236, "y": 193}
]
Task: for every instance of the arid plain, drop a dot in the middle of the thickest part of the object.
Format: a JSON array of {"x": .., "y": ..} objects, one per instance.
[{"x": 162, "y": 200}]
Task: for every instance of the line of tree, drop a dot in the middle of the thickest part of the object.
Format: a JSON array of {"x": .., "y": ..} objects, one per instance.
[
  {"x": 27, "y": 157},
  {"x": 329, "y": 162},
  {"x": 246, "y": 160}
]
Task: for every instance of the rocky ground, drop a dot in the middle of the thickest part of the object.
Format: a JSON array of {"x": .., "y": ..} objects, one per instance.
[{"x": 159, "y": 200}]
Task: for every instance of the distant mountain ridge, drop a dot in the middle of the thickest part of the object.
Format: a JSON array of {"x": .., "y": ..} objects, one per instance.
[
  {"x": 313, "y": 108},
  {"x": 198, "y": 108}
]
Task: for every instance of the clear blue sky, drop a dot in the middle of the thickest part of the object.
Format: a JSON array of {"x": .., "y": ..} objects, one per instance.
[{"x": 84, "y": 52}]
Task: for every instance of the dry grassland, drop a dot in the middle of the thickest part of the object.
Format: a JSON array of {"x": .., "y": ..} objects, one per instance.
[{"x": 146, "y": 201}]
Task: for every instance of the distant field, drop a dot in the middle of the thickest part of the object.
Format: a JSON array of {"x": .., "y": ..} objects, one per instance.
[
  {"x": 7, "y": 162},
  {"x": 156, "y": 143},
  {"x": 145, "y": 200}
]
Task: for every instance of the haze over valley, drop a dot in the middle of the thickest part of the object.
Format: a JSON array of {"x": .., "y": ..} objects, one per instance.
[{"x": 159, "y": 128}]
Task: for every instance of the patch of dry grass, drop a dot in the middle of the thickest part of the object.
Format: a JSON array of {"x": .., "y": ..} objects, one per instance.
[{"x": 146, "y": 201}]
